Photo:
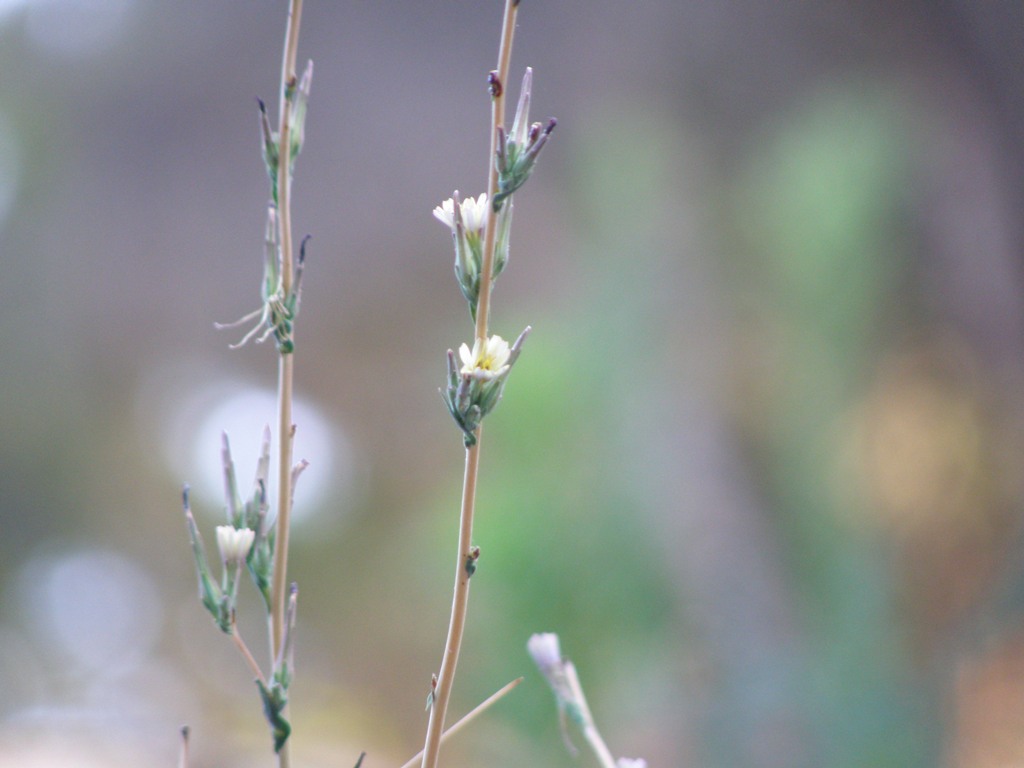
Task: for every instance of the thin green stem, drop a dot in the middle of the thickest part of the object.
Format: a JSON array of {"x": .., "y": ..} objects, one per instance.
[
  {"x": 285, "y": 368},
  {"x": 285, "y": 427},
  {"x": 460, "y": 598},
  {"x": 590, "y": 732}
]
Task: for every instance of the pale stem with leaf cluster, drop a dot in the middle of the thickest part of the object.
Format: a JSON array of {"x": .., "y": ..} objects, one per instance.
[
  {"x": 249, "y": 542},
  {"x": 286, "y": 429},
  {"x": 460, "y": 599},
  {"x": 286, "y": 362}
]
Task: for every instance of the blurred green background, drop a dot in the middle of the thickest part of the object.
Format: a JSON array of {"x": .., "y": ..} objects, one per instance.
[{"x": 759, "y": 465}]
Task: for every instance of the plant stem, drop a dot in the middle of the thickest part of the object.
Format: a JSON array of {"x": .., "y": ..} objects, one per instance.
[
  {"x": 604, "y": 755},
  {"x": 285, "y": 366},
  {"x": 183, "y": 755},
  {"x": 460, "y": 599},
  {"x": 285, "y": 427},
  {"x": 590, "y": 732},
  {"x": 460, "y": 602},
  {"x": 246, "y": 653},
  {"x": 286, "y": 432}
]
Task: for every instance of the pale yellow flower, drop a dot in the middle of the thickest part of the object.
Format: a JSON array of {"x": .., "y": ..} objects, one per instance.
[{"x": 485, "y": 361}]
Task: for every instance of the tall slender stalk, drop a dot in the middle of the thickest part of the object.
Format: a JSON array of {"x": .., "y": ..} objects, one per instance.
[
  {"x": 590, "y": 732},
  {"x": 246, "y": 541},
  {"x": 460, "y": 599},
  {"x": 286, "y": 360}
]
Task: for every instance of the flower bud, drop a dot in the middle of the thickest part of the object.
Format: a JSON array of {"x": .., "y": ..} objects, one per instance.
[
  {"x": 234, "y": 543},
  {"x": 296, "y": 98},
  {"x": 518, "y": 149},
  {"x": 466, "y": 219}
]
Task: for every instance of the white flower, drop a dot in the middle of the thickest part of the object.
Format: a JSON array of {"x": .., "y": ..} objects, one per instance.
[
  {"x": 547, "y": 655},
  {"x": 631, "y": 762},
  {"x": 486, "y": 361},
  {"x": 445, "y": 213},
  {"x": 234, "y": 543},
  {"x": 473, "y": 211},
  {"x": 545, "y": 650}
]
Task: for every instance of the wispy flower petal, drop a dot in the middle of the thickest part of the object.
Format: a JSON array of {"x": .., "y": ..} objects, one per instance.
[{"x": 445, "y": 213}]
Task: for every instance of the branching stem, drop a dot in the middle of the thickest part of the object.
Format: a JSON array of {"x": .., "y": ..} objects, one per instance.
[
  {"x": 467, "y": 718},
  {"x": 590, "y": 732},
  {"x": 460, "y": 599},
  {"x": 246, "y": 653}
]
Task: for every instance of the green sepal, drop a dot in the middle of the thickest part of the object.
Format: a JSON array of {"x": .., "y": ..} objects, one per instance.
[
  {"x": 574, "y": 713},
  {"x": 260, "y": 563},
  {"x": 467, "y": 421},
  {"x": 210, "y": 594},
  {"x": 282, "y": 676},
  {"x": 236, "y": 514},
  {"x": 274, "y": 701}
]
